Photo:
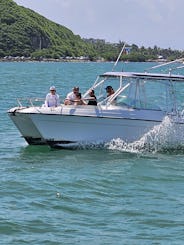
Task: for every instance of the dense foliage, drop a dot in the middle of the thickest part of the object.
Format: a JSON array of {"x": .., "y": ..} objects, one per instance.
[
  {"x": 110, "y": 52},
  {"x": 26, "y": 33}
]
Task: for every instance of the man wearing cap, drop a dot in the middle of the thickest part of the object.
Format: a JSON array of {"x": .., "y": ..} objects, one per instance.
[
  {"x": 52, "y": 99},
  {"x": 109, "y": 90},
  {"x": 71, "y": 97}
]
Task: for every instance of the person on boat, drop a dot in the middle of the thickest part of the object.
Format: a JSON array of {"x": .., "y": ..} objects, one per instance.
[
  {"x": 92, "y": 100},
  {"x": 109, "y": 90},
  {"x": 79, "y": 100},
  {"x": 71, "y": 97},
  {"x": 52, "y": 98}
]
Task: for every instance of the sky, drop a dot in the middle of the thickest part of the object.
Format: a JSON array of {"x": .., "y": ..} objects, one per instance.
[{"x": 142, "y": 22}]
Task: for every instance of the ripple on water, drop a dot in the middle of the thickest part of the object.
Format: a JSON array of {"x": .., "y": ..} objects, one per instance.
[{"x": 115, "y": 193}]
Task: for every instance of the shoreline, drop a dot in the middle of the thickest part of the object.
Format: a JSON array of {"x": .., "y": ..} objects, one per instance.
[
  {"x": 20, "y": 59},
  {"x": 24, "y": 59}
]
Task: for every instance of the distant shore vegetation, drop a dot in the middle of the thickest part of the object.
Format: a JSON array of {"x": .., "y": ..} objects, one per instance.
[
  {"x": 102, "y": 52},
  {"x": 27, "y": 36}
]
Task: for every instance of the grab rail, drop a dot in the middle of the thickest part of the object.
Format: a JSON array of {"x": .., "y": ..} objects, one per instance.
[{"x": 27, "y": 102}]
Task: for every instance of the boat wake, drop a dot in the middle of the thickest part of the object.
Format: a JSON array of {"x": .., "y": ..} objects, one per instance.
[{"x": 165, "y": 137}]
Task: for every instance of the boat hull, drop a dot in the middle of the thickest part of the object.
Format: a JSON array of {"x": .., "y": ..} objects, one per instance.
[
  {"x": 69, "y": 129},
  {"x": 69, "y": 125},
  {"x": 26, "y": 127}
]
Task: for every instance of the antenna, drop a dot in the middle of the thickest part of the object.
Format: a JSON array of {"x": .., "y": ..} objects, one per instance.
[{"x": 119, "y": 56}]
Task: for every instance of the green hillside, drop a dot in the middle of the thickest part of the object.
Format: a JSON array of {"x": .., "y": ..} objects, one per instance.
[{"x": 26, "y": 33}]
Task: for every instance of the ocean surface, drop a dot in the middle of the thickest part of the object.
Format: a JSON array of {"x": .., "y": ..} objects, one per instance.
[{"x": 114, "y": 194}]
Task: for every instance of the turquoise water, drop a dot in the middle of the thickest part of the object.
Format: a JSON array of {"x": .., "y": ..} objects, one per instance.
[{"x": 110, "y": 195}]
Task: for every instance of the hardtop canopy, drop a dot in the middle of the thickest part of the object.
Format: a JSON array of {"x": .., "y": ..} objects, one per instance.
[{"x": 151, "y": 76}]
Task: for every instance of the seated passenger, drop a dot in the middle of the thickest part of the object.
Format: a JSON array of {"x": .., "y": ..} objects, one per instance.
[
  {"x": 92, "y": 100},
  {"x": 52, "y": 99},
  {"x": 71, "y": 97},
  {"x": 79, "y": 100},
  {"x": 109, "y": 90}
]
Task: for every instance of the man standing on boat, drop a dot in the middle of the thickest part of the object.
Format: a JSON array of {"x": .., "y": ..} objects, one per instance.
[{"x": 52, "y": 99}]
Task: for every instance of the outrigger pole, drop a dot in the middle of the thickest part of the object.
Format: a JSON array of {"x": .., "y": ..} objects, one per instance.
[
  {"x": 164, "y": 64},
  {"x": 119, "y": 56}
]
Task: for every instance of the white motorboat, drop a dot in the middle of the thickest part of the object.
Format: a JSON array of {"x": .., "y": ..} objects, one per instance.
[{"x": 140, "y": 102}]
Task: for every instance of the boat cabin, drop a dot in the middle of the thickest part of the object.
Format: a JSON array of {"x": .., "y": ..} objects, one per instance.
[{"x": 139, "y": 90}]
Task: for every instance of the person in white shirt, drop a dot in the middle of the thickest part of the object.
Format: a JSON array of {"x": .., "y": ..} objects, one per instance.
[
  {"x": 71, "y": 97},
  {"x": 52, "y": 98}
]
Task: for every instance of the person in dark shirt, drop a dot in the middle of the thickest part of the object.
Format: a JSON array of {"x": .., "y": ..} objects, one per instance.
[{"x": 92, "y": 100}]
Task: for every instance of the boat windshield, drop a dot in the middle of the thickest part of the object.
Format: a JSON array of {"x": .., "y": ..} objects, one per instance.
[
  {"x": 146, "y": 94},
  {"x": 138, "y": 92}
]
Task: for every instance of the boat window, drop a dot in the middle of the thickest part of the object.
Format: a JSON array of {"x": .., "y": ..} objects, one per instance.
[
  {"x": 147, "y": 94},
  {"x": 178, "y": 95},
  {"x": 140, "y": 93}
]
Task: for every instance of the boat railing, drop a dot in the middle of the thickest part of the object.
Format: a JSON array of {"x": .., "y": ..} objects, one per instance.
[
  {"x": 112, "y": 99},
  {"x": 27, "y": 102},
  {"x": 118, "y": 92},
  {"x": 96, "y": 84}
]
